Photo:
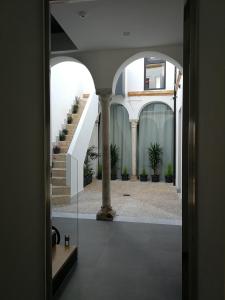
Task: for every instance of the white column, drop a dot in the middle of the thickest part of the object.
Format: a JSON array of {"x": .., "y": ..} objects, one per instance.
[
  {"x": 106, "y": 212},
  {"x": 134, "y": 124}
]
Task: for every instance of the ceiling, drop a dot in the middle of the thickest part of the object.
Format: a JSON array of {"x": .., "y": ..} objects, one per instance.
[{"x": 114, "y": 24}]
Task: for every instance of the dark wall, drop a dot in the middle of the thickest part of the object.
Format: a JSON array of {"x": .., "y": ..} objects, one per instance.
[
  {"x": 211, "y": 150},
  {"x": 24, "y": 132}
]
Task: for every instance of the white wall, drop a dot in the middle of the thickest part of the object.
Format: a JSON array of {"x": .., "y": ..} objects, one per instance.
[
  {"x": 68, "y": 79},
  {"x": 103, "y": 64}
]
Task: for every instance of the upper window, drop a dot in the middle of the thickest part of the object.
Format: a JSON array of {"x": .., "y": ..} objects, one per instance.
[{"x": 154, "y": 74}]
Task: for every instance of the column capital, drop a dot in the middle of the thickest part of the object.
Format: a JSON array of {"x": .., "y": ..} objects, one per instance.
[
  {"x": 105, "y": 93},
  {"x": 134, "y": 123}
]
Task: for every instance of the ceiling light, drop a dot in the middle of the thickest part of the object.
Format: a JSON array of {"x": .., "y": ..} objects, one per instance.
[
  {"x": 126, "y": 33},
  {"x": 82, "y": 14}
]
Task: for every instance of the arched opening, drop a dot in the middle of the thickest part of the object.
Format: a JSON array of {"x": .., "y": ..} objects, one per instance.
[{"x": 155, "y": 126}]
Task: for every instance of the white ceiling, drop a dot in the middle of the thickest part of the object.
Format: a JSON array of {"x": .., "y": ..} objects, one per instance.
[{"x": 150, "y": 23}]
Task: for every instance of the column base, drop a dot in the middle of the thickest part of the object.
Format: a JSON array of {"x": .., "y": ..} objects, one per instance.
[
  {"x": 105, "y": 214},
  {"x": 133, "y": 178}
]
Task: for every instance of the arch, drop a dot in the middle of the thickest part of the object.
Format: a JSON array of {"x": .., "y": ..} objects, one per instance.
[
  {"x": 155, "y": 126},
  {"x": 153, "y": 102},
  {"x": 61, "y": 59},
  {"x": 141, "y": 55}
]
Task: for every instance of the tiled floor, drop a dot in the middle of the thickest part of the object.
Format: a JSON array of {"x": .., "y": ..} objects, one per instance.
[
  {"x": 144, "y": 202},
  {"x": 121, "y": 260}
]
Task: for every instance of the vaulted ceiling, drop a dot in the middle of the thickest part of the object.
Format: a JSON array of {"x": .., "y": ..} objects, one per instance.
[{"x": 114, "y": 24}]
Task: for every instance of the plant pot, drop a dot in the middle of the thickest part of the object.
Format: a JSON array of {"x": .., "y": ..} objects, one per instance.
[
  {"x": 169, "y": 178},
  {"x": 143, "y": 177},
  {"x": 87, "y": 179},
  {"x": 56, "y": 150},
  {"x": 113, "y": 176},
  {"x": 155, "y": 178},
  {"x": 99, "y": 176},
  {"x": 125, "y": 177}
]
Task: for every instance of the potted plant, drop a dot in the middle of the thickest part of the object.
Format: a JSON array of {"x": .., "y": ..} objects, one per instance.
[
  {"x": 65, "y": 131},
  {"x": 69, "y": 119},
  {"x": 99, "y": 175},
  {"x": 154, "y": 154},
  {"x": 56, "y": 149},
  {"x": 114, "y": 151},
  {"x": 143, "y": 176},
  {"x": 125, "y": 175},
  {"x": 169, "y": 173},
  {"x": 62, "y": 136},
  {"x": 88, "y": 170},
  {"x": 75, "y": 108}
]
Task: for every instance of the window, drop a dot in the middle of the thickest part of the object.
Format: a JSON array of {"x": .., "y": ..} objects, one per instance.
[{"x": 154, "y": 74}]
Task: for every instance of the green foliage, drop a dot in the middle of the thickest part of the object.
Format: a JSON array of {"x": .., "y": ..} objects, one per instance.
[
  {"x": 125, "y": 172},
  {"x": 154, "y": 154},
  {"x": 99, "y": 171},
  {"x": 90, "y": 155},
  {"x": 114, "y": 151},
  {"x": 169, "y": 170},
  {"x": 143, "y": 173},
  {"x": 69, "y": 119},
  {"x": 62, "y": 136},
  {"x": 65, "y": 131},
  {"x": 75, "y": 108}
]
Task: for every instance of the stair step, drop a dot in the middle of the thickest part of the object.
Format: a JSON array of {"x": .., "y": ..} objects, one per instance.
[
  {"x": 86, "y": 95},
  {"x": 59, "y": 164},
  {"x": 60, "y": 199},
  {"x": 69, "y": 137},
  {"x": 59, "y": 157},
  {"x": 58, "y": 181},
  {"x": 64, "y": 149},
  {"x": 63, "y": 143},
  {"x": 58, "y": 172},
  {"x": 61, "y": 190}
]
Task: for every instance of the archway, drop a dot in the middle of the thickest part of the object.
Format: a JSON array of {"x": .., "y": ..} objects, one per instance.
[
  {"x": 141, "y": 55},
  {"x": 155, "y": 126}
]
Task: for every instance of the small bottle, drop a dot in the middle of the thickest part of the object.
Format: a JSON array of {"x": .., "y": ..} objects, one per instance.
[{"x": 67, "y": 240}]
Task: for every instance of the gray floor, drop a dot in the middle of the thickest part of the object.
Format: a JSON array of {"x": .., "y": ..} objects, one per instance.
[{"x": 119, "y": 261}]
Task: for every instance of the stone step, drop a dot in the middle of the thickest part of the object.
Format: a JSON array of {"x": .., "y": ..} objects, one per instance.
[
  {"x": 64, "y": 149},
  {"x": 63, "y": 143},
  {"x": 59, "y": 164},
  {"x": 70, "y": 126},
  {"x": 85, "y": 95},
  {"x": 58, "y": 181},
  {"x": 59, "y": 157},
  {"x": 61, "y": 190},
  {"x": 76, "y": 116},
  {"x": 69, "y": 137},
  {"x": 58, "y": 172},
  {"x": 60, "y": 199}
]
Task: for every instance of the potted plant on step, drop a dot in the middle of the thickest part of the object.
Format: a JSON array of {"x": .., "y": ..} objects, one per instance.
[
  {"x": 99, "y": 175},
  {"x": 56, "y": 149},
  {"x": 69, "y": 119},
  {"x": 169, "y": 173},
  {"x": 154, "y": 154},
  {"x": 65, "y": 131},
  {"x": 62, "y": 136},
  {"x": 114, "y": 151},
  {"x": 88, "y": 170},
  {"x": 125, "y": 175},
  {"x": 75, "y": 108},
  {"x": 143, "y": 176}
]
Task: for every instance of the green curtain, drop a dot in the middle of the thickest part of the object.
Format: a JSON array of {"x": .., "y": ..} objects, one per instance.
[
  {"x": 155, "y": 126},
  {"x": 120, "y": 134}
]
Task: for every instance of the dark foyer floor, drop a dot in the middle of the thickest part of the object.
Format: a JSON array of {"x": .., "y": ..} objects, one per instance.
[{"x": 119, "y": 261}]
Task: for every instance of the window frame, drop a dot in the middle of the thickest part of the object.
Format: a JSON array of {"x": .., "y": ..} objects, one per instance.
[{"x": 154, "y": 61}]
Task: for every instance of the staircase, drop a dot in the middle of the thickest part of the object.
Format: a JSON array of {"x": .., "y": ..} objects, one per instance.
[{"x": 60, "y": 191}]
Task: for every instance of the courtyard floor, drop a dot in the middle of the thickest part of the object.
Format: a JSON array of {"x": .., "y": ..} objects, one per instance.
[{"x": 133, "y": 201}]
